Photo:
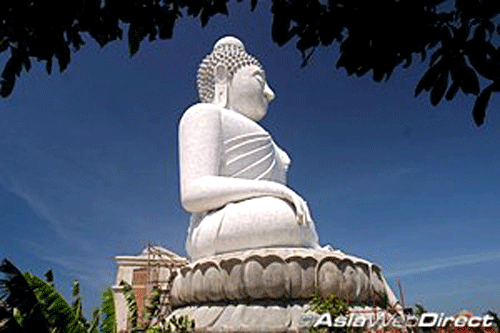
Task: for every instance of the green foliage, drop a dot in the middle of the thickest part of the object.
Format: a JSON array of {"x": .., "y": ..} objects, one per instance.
[
  {"x": 131, "y": 305},
  {"x": 419, "y": 310},
  {"x": 56, "y": 310},
  {"x": 176, "y": 324},
  {"x": 21, "y": 308},
  {"x": 94, "y": 322},
  {"x": 77, "y": 305},
  {"x": 49, "y": 276},
  {"x": 18, "y": 316},
  {"x": 30, "y": 304},
  {"x": 332, "y": 305},
  {"x": 108, "y": 324},
  {"x": 180, "y": 324},
  {"x": 11, "y": 320},
  {"x": 152, "y": 308},
  {"x": 154, "y": 321}
]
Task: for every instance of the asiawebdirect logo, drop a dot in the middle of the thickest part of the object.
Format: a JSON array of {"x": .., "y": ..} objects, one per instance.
[{"x": 382, "y": 320}]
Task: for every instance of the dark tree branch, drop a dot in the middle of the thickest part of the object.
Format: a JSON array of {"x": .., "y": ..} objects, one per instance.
[{"x": 374, "y": 36}]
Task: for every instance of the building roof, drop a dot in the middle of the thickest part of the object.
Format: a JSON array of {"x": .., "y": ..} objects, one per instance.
[{"x": 156, "y": 253}]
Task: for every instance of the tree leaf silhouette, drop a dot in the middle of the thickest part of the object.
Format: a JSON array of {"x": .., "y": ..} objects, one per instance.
[
  {"x": 436, "y": 55},
  {"x": 8, "y": 83},
  {"x": 439, "y": 87},
  {"x": 452, "y": 91},
  {"x": 4, "y": 45},
  {"x": 281, "y": 23},
  {"x": 479, "y": 111},
  {"x": 253, "y": 4},
  {"x": 372, "y": 29},
  {"x": 468, "y": 78},
  {"x": 427, "y": 81},
  {"x": 48, "y": 66},
  {"x": 133, "y": 39},
  {"x": 63, "y": 56}
]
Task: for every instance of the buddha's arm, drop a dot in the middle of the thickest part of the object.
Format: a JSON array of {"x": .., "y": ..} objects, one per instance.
[{"x": 200, "y": 150}]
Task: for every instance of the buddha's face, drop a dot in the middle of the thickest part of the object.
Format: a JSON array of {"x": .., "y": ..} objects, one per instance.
[{"x": 248, "y": 92}]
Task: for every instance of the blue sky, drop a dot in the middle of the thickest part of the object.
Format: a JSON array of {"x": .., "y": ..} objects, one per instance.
[{"x": 89, "y": 166}]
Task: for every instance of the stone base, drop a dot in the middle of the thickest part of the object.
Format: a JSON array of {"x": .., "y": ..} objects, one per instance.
[
  {"x": 266, "y": 290},
  {"x": 263, "y": 316}
]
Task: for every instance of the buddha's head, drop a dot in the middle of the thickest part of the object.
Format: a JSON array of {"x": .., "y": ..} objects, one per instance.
[{"x": 231, "y": 78}]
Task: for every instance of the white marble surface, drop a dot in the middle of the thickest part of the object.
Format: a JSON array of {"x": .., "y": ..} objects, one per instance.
[
  {"x": 281, "y": 273},
  {"x": 232, "y": 173}
]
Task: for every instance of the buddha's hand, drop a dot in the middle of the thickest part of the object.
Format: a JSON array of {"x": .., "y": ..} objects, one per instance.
[{"x": 300, "y": 206}]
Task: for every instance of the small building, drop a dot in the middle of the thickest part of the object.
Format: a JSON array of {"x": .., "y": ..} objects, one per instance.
[{"x": 155, "y": 266}]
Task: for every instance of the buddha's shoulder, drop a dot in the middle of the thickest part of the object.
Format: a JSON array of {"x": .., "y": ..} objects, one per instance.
[
  {"x": 201, "y": 108},
  {"x": 200, "y": 111}
]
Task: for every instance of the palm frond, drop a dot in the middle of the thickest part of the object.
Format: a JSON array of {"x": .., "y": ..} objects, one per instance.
[
  {"x": 181, "y": 324},
  {"x": 49, "y": 276},
  {"x": 55, "y": 308},
  {"x": 108, "y": 324},
  {"x": 77, "y": 305},
  {"x": 153, "y": 306},
  {"x": 16, "y": 293},
  {"x": 8, "y": 322},
  {"x": 75, "y": 290},
  {"x": 131, "y": 303},
  {"x": 94, "y": 322}
]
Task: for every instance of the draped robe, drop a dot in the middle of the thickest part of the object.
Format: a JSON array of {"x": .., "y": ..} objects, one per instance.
[{"x": 248, "y": 152}]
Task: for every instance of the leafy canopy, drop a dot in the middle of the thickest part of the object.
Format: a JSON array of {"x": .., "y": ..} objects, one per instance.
[
  {"x": 31, "y": 304},
  {"x": 461, "y": 36}
]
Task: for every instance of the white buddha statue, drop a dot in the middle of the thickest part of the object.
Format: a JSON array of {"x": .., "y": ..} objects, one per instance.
[{"x": 232, "y": 173}]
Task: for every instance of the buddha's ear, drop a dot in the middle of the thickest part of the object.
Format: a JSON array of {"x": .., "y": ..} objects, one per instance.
[{"x": 221, "y": 82}]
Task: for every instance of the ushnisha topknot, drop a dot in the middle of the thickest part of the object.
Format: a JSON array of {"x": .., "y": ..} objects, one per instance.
[{"x": 228, "y": 51}]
